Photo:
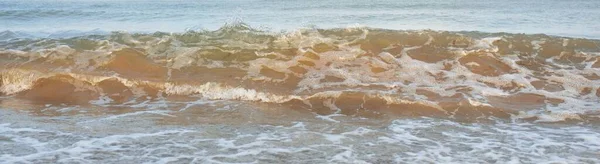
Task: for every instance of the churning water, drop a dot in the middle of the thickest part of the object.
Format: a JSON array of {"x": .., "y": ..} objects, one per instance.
[{"x": 299, "y": 82}]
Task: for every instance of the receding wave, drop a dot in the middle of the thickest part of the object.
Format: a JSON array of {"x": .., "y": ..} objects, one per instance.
[{"x": 352, "y": 71}]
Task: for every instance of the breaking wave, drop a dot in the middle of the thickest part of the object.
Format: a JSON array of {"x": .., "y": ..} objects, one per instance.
[{"x": 353, "y": 71}]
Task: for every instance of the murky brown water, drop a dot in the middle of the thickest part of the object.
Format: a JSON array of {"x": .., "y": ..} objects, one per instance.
[{"x": 354, "y": 95}]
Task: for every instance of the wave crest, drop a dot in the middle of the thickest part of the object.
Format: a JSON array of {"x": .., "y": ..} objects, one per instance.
[{"x": 425, "y": 73}]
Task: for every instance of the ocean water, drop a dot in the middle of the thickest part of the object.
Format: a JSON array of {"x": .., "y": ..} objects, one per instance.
[
  {"x": 553, "y": 17},
  {"x": 299, "y": 82}
]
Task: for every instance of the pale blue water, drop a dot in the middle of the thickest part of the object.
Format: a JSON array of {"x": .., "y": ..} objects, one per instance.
[{"x": 553, "y": 17}]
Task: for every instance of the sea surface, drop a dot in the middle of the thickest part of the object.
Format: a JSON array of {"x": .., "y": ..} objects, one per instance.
[{"x": 429, "y": 81}]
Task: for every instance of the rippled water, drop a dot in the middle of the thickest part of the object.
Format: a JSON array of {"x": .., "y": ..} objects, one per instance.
[
  {"x": 139, "y": 139},
  {"x": 554, "y": 17},
  {"x": 299, "y": 82}
]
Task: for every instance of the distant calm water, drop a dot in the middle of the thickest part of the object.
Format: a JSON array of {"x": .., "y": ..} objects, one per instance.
[
  {"x": 299, "y": 82},
  {"x": 554, "y": 17}
]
